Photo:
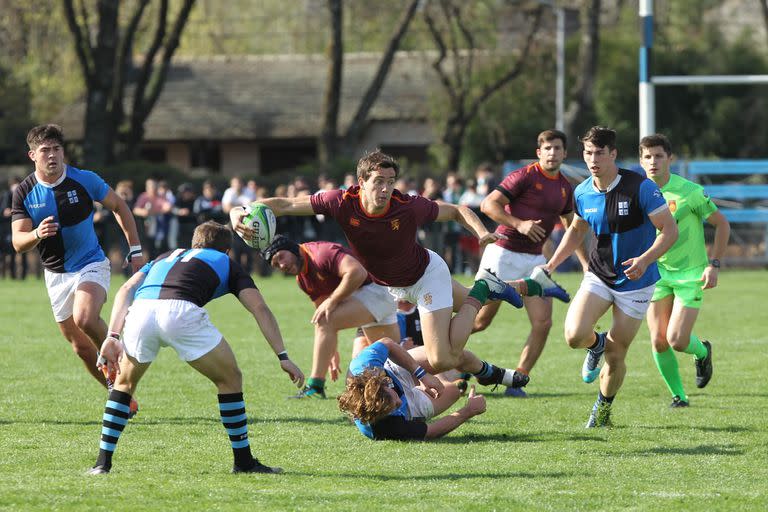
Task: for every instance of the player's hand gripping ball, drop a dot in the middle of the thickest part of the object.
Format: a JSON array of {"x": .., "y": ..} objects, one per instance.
[{"x": 261, "y": 220}]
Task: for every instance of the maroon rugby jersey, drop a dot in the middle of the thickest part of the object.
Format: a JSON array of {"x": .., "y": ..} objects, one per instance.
[
  {"x": 534, "y": 195},
  {"x": 319, "y": 275},
  {"x": 385, "y": 244}
]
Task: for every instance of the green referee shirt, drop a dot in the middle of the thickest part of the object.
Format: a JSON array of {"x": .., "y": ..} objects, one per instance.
[{"x": 690, "y": 207}]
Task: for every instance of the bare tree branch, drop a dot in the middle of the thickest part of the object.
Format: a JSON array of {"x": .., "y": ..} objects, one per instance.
[
  {"x": 82, "y": 41},
  {"x": 124, "y": 52},
  {"x": 583, "y": 96},
  {"x": 489, "y": 89},
  {"x": 437, "y": 64},
  {"x": 145, "y": 73},
  {"x": 369, "y": 98},
  {"x": 764, "y": 7}
]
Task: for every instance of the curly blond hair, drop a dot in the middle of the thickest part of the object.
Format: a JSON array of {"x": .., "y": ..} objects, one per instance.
[{"x": 366, "y": 398}]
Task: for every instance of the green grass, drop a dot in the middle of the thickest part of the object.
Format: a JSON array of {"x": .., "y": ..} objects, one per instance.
[{"x": 521, "y": 455}]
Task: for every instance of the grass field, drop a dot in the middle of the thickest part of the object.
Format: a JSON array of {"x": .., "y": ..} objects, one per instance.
[{"x": 521, "y": 455}]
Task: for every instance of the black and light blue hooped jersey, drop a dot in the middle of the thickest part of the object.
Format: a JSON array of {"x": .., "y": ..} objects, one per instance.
[
  {"x": 70, "y": 202},
  {"x": 620, "y": 219},
  {"x": 194, "y": 275}
]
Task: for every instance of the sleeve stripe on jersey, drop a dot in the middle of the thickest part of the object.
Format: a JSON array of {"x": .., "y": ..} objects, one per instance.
[{"x": 506, "y": 193}]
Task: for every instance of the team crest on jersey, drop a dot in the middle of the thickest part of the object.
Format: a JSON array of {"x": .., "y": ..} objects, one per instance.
[
  {"x": 672, "y": 205},
  {"x": 72, "y": 196},
  {"x": 354, "y": 221},
  {"x": 427, "y": 299},
  {"x": 562, "y": 192},
  {"x": 539, "y": 186},
  {"x": 623, "y": 207},
  {"x": 395, "y": 224}
]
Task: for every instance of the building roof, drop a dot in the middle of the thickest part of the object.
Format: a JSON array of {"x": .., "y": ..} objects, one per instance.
[{"x": 262, "y": 97}]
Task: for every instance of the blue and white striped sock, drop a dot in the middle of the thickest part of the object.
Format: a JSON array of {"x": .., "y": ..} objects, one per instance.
[
  {"x": 232, "y": 409},
  {"x": 485, "y": 372},
  {"x": 113, "y": 422}
]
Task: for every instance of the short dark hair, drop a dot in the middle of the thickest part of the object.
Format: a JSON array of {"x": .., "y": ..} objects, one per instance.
[
  {"x": 374, "y": 161},
  {"x": 549, "y": 135},
  {"x": 43, "y": 132},
  {"x": 657, "y": 139},
  {"x": 212, "y": 235},
  {"x": 601, "y": 137}
]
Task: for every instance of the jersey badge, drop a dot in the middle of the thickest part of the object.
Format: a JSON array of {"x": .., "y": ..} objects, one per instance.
[
  {"x": 672, "y": 205},
  {"x": 539, "y": 186},
  {"x": 427, "y": 299},
  {"x": 354, "y": 221},
  {"x": 72, "y": 196},
  {"x": 623, "y": 207},
  {"x": 395, "y": 224}
]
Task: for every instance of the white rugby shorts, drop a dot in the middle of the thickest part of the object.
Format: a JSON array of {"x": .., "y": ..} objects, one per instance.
[
  {"x": 62, "y": 286},
  {"x": 378, "y": 302},
  {"x": 433, "y": 290},
  {"x": 179, "y": 324},
  {"x": 634, "y": 302},
  {"x": 419, "y": 403},
  {"x": 509, "y": 265}
]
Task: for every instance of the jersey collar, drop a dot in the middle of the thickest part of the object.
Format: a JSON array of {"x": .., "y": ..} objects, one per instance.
[
  {"x": 612, "y": 186},
  {"x": 58, "y": 181}
]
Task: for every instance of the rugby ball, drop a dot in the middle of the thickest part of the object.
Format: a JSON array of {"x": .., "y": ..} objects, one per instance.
[{"x": 261, "y": 219}]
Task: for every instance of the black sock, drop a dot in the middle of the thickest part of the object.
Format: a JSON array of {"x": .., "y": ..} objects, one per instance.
[
  {"x": 603, "y": 398},
  {"x": 113, "y": 422},
  {"x": 232, "y": 410}
]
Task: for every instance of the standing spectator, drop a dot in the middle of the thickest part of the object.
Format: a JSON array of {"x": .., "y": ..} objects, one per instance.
[
  {"x": 149, "y": 206},
  {"x": 470, "y": 248},
  {"x": 452, "y": 194},
  {"x": 207, "y": 206},
  {"x": 432, "y": 234},
  {"x": 185, "y": 214},
  {"x": 8, "y": 256}
]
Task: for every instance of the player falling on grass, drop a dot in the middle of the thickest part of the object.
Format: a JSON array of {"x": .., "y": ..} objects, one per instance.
[
  {"x": 53, "y": 212},
  {"x": 685, "y": 270},
  {"x": 624, "y": 210},
  {"x": 166, "y": 299},
  {"x": 345, "y": 297},
  {"x": 380, "y": 224},
  {"x": 391, "y": 393},
  {"x": 527, "y": 204}
]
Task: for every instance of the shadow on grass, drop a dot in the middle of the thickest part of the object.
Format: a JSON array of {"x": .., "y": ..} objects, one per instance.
[
  {"x": 537, "y": 437},
  {"x": 422, "y": 477},
  {"x": 731, "y": 429},
  {"x": 703, "y": 449},
  {"x": 500, "y": 395}
]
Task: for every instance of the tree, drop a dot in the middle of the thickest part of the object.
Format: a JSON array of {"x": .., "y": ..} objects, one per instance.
[
  {"x": 764, "y": 8},
  {"x": 328, "y": 142},
  {"x": 580, "y": 112},
  {"x": 107, "y": 70},
  {"x": 458, "y": 75}
]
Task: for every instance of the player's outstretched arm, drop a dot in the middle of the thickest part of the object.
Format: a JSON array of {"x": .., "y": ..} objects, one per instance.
[
  {"x": 123, "y": 300},
  {"x": 253, "y": 301},
  {"x": 475, "y": 405},
  {"x": 402, "y": 358},
  {"x": 352, "y": 275},
  {"x": 127, "y": 223},
  {"x": 467, "y": 218}
]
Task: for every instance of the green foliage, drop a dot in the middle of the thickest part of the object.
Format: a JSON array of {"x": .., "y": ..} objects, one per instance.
[
  {"x": 529, "y": 454},
  {"x": 14, "y": 119}
]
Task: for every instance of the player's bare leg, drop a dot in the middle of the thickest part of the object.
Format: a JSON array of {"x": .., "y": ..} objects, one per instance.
[
  {"x": 86, "y": 311},
  {"x": 623, "y": 331},
  {"x": 540, "y": 315},
  {"x": 83, "y": 346}
]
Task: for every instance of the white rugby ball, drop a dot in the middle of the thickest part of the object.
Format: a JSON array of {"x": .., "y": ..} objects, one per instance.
[{"x": 261, "y": 219}]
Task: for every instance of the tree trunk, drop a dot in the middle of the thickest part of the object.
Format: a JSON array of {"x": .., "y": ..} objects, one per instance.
[
  {"x": 581, "y": 107},
  {"x": 100, "y": 122},
  {"x": 764, "y": 7},
  {"x": 326, "y": 144}
]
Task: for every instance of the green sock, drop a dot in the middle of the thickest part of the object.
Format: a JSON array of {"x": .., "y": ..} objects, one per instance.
[
  {"x": 696, "y": 347},
  {"x": 534, "y": 288},
  {"x": 316, "y": 383},
  {"x": 480, "y": 291},
  {"x": 666, "y": 362}
]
